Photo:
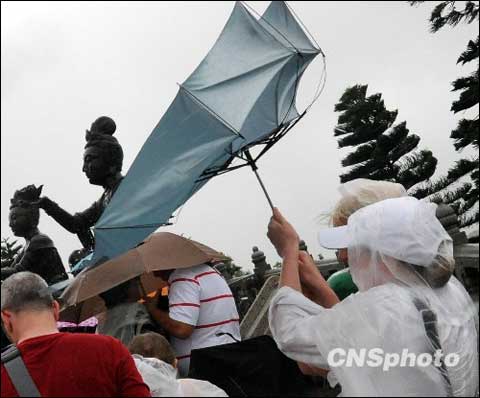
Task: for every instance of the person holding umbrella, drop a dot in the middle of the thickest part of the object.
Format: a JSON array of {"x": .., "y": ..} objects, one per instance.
[
  {"x": 202, "y": 311},
  {"x": 356, "y": 194},
  {"x": 401, "y": 260},
  {"x": 125, "y": 317}
]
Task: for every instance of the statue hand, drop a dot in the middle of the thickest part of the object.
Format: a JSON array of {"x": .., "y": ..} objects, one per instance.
[{"x": 40, "y": 203}]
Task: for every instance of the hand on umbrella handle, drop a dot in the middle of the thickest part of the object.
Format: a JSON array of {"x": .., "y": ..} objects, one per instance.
[
  {"x": 282, "y": 234},
  {"x": 151, "y": 302}
]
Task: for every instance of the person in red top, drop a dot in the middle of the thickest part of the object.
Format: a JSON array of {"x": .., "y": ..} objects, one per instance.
[{"x": 62, "y": 364}]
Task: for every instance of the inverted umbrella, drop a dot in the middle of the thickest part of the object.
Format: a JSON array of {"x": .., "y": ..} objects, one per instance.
[
  {"x": 160, "y": 251},
  {"x": 241, "y": 95}
]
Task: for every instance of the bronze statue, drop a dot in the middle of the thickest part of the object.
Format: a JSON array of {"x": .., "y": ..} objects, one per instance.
[
  {"x": 39, "y": 254},
  {"x": 102, "y": 164}
]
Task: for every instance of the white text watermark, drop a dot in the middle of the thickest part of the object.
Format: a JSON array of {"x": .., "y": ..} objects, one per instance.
[{"x": 377, "y": 357}]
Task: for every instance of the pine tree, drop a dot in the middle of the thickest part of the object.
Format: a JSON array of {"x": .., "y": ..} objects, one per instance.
[
  {"x": 9, "y": 251},
  {"x": 460, "y": 187},
  {"x": 453, "y": 189},
  {"x": 383, "y": 151},
  {"x": 447, "y": 13}
]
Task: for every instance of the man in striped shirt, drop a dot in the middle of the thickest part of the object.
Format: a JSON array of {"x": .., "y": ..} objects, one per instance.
[{"x": 202, "y": 312}]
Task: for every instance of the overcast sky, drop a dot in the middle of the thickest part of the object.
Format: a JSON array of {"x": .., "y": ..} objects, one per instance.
[{"x": 66, "y": 63}]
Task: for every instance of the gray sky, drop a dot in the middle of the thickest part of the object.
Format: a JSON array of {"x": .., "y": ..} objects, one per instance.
[{"x": 66, "y": 63}]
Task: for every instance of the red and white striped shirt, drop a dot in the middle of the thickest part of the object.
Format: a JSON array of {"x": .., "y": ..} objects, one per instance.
[{"x": 200, "y": 296}]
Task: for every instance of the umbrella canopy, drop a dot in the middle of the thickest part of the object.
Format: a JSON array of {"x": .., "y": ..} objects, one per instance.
[
  {"x": 160, "y": 251},
  {"x": 241, "y": 95}
]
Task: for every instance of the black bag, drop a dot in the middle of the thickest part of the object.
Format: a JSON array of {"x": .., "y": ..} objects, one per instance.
[{"x": 254, "y": 367}]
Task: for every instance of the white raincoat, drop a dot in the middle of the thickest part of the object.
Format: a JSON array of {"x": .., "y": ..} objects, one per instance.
[
  {"x": 395, "y": 310},
  {"x": 162, "y": 380}
]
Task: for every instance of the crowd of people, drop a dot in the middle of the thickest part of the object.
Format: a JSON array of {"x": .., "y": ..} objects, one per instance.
[
  {"x": 398, "y": 293},
  {"x": 201, "y": 313}
]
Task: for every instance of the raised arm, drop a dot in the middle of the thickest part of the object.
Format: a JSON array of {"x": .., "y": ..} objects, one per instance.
[
  {"x": 314, "y": 285},
  {"x": 285, "y": 239},
  {"x": 72, "y": 223},
  {"x": 79, "y": 223}
]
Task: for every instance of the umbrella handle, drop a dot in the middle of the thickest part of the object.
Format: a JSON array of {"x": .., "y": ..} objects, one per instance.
[
  {"x": 142, "y": 288},
  {"x": 254, "y": 167}
]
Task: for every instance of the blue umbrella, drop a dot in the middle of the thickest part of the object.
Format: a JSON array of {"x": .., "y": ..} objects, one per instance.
[
  {"x": 241, "y": 95},
  {"x": 83, "y": 263}
]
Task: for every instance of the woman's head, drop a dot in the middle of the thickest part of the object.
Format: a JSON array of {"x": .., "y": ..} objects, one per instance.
[
  {"x": 357, "y": 194},
  {"x": 362, "y": 192},
  {"x": 395, "y": 239}
]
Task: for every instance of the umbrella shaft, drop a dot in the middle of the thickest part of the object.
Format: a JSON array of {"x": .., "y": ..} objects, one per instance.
[
  {"x": 263, "y": 187},
  {"x": 254, "y": 168}
]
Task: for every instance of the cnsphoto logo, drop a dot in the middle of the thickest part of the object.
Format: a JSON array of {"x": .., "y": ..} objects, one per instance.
[{"x": 376, "y": 357}]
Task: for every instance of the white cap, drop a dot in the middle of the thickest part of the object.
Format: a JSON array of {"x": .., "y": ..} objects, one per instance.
[
  {"x": 405, "y": 228},
  {"x": 334, "y": 238}
]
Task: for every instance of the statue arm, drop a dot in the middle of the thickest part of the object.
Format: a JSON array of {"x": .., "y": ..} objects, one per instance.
[{"x": 77, "y": 223}]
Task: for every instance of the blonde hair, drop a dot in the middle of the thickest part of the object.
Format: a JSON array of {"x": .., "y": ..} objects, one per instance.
[{"x": 362, "y": 192}]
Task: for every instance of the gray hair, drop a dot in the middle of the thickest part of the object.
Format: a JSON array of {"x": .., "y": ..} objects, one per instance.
[{"x": 25, "y": 291}]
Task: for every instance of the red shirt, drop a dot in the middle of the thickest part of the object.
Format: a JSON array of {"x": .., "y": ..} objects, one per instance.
[{"x": 78, "y": 365}]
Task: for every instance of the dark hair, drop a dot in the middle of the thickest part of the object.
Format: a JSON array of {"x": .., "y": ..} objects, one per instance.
[
  {"x": 152, "y": 345},
  {"x": 101, "y": 136},
  {"x": 116, "y": 295}
]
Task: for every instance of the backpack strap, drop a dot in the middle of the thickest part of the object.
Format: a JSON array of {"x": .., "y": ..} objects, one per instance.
[
  {"x": 430, "y": 325},
  {"x": 18, "y": 372}
]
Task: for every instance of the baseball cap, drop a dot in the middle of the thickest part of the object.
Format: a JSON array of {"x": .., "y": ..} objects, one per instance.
[{"x": 404, "y": 228}]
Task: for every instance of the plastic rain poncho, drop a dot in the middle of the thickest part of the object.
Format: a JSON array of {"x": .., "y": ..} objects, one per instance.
[
  {"x": 162, "y": 380},
  {"x": 398, "y": 254},
  {"x": 124, "y": 321}
]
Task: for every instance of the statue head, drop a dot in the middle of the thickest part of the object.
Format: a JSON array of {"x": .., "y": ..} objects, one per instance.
[
  {"x": 24, "y": 216},
  {"x": 103, "y": 156}
]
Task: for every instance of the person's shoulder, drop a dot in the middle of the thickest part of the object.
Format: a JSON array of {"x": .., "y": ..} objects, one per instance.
[
  {"x": 340, "y": 274},
  {"x": 107, "y": 345},
  {"x": 342, "y": 283},
  {"x": 454, "y": 290},
  {"x": 6, "y": 383},
  {"x": 91, "y": 340},
  {"x": 189, "y": 273},
  {"x": 41, "y": 241},
  {"x": 389, "y": 298}
]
